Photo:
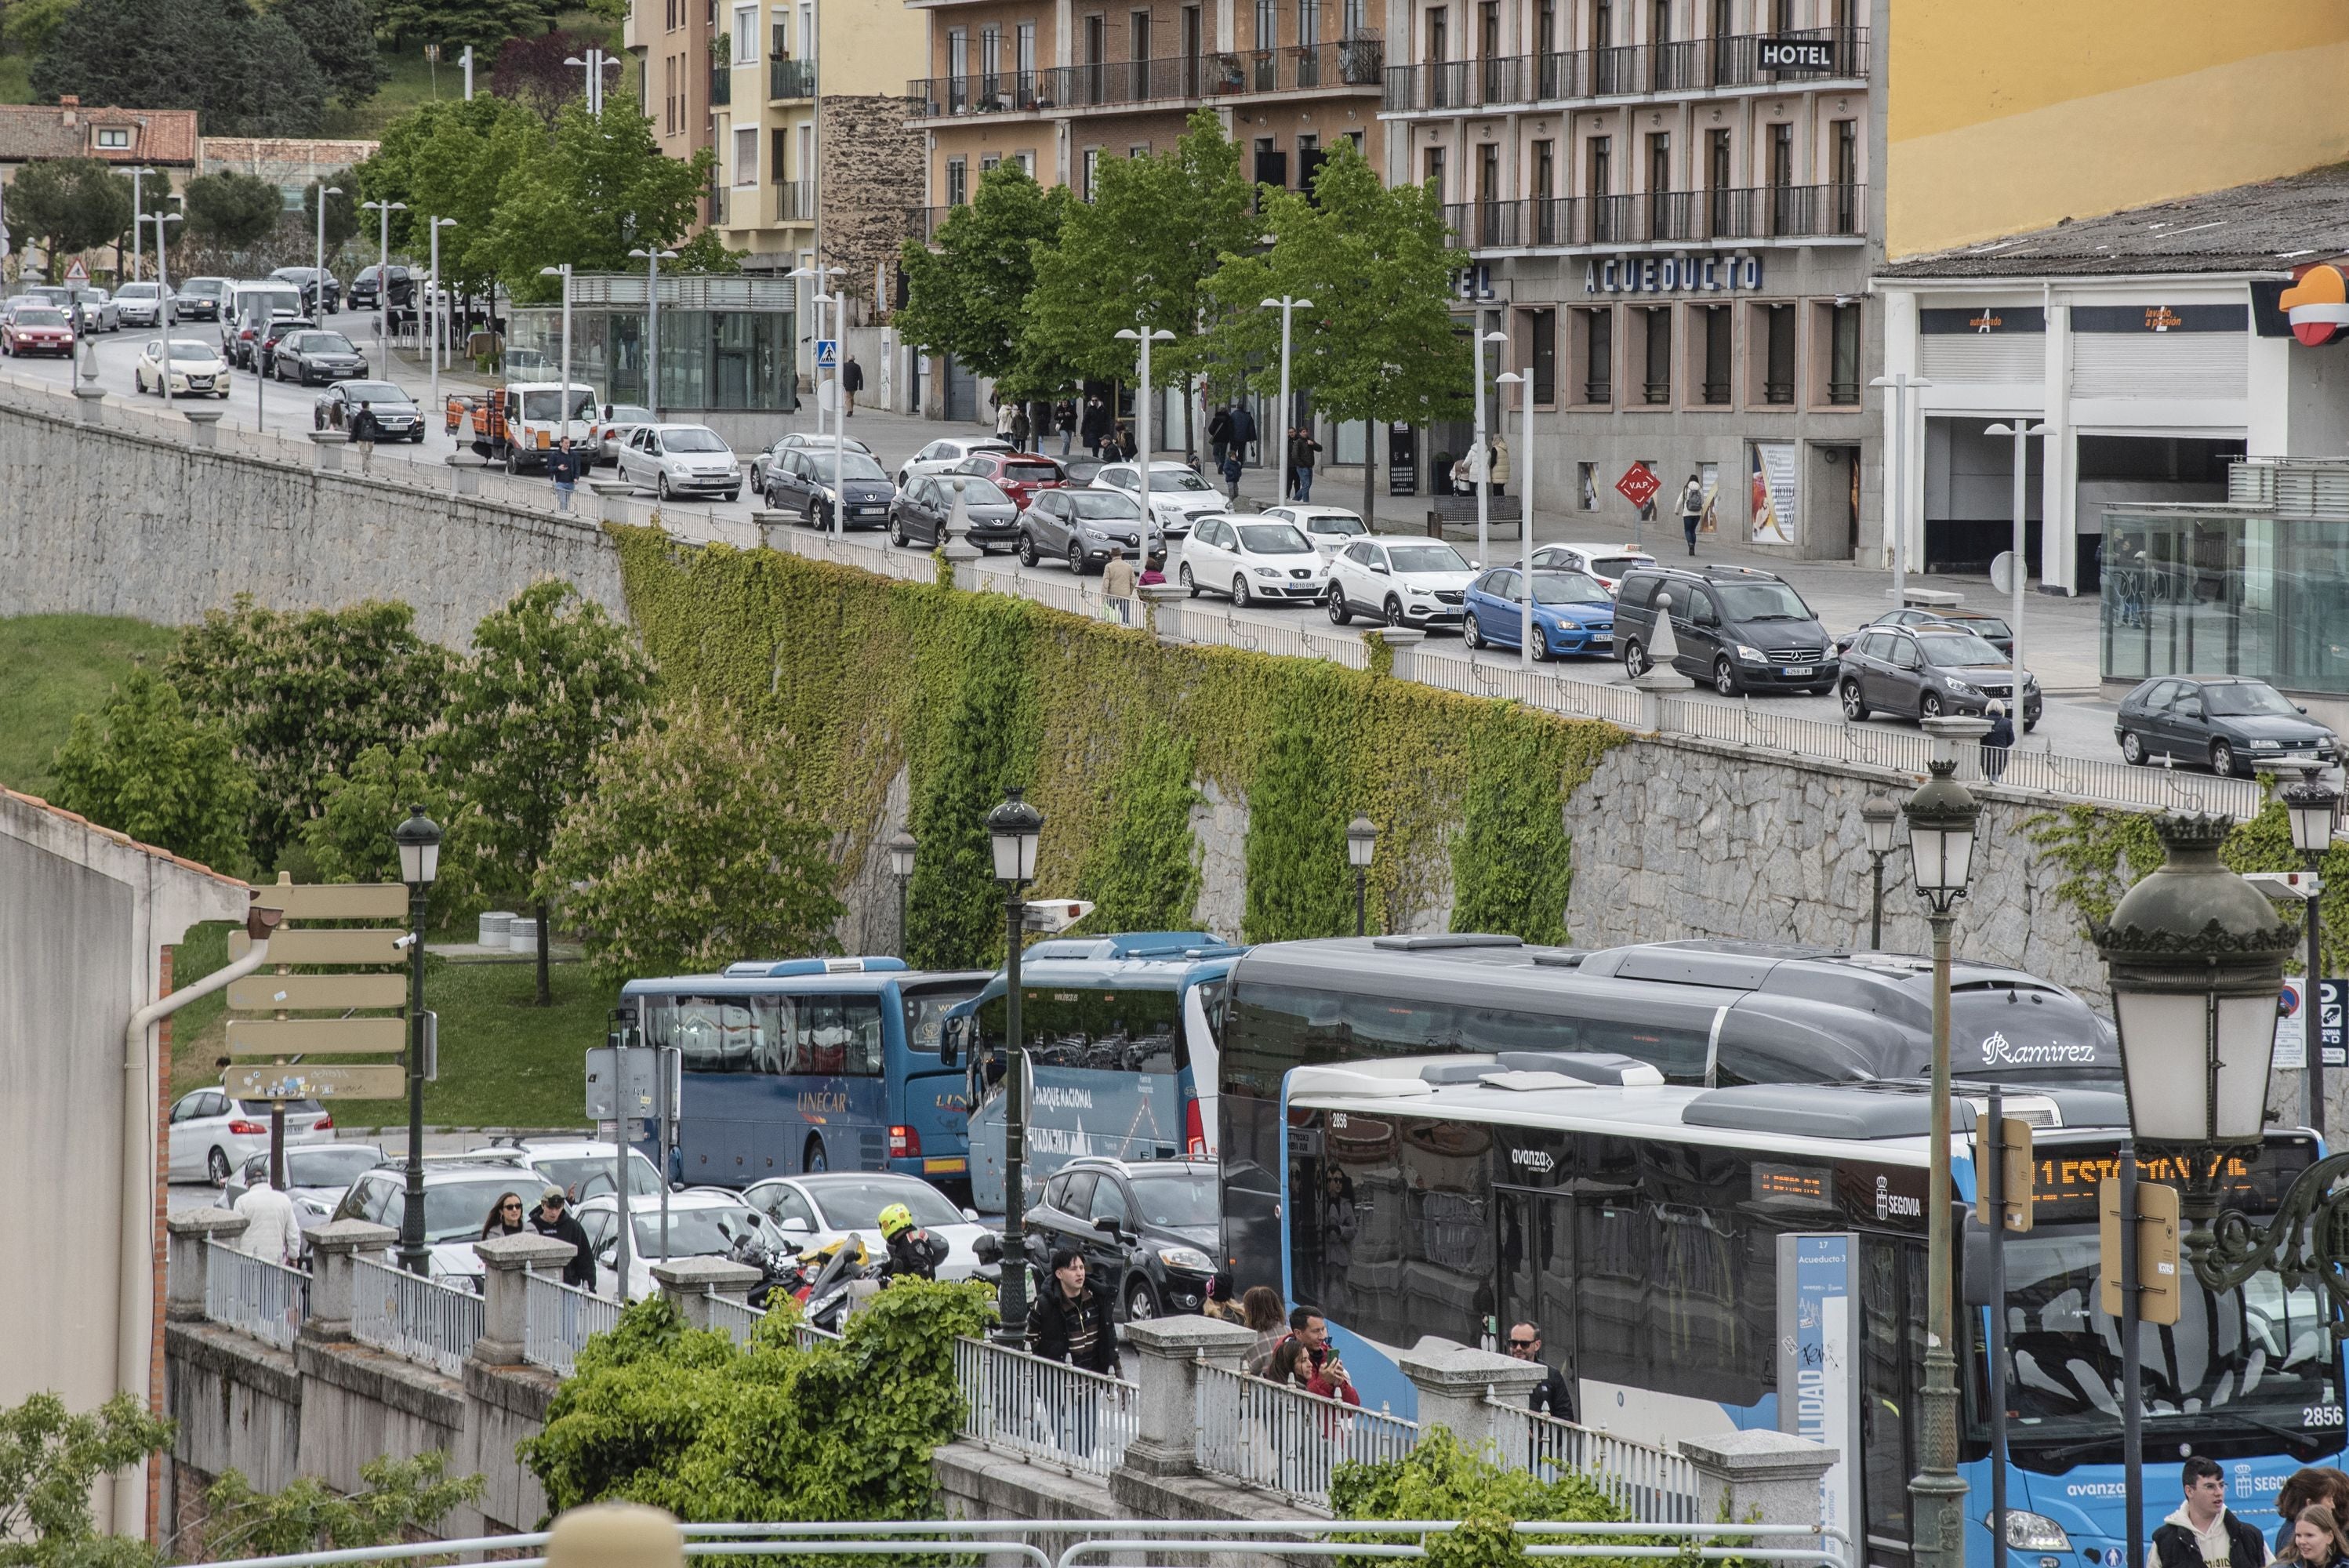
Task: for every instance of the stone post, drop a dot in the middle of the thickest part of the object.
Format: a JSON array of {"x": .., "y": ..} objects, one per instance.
[
  {"x": 93, "y": 402},
  {"x": 329, "y": 445},
  {"x": 770, "y": 526},
  {"x": 1404, "y": 641},
  {"x": 611, "y": 499},
  {"x": 464, "y": 474},
  {"x": 333, "y": 1284},
  {"x": 963, "y": 557},
  {"x": 192, "y": 1259},
  {"x": 692, "y": 1283},
  {"x": 1962, "y": 738},
  {"x": 203, "y": 424},
  {"x": 1454, "y": 1381},
  {"x": 1758, "y": 1477},
  {"x": 1169, "y": 1350},
  {"x": 1163, "y": 606},
  {"x": 505, "y": 1261}
]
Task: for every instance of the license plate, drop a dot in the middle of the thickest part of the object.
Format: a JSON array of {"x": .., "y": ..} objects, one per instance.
[
  {"x": 1601, "y": 640},
  {"x": 1794, "y": 669}
]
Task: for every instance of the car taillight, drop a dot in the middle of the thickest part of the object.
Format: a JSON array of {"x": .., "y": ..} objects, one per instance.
[
  {"x": 326, "y": 1122},
  {"x": 904, "y": 1143},
  {"x": 1195, "y": 1130},
  {"x": 249, "y": 1129}
]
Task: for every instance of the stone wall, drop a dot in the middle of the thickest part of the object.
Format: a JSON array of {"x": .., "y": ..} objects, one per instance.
[
  {"x": 874, "y": 170},
  {"x": 120, "y": 521}
]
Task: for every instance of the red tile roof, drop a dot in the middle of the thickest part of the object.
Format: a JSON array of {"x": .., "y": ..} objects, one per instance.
[
  {"x": 27, "y": 131},
  {"x": 123, "y": 839}
]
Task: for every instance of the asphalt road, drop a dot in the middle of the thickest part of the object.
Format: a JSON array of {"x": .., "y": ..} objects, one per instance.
[{"x": 2062, "y": 633}]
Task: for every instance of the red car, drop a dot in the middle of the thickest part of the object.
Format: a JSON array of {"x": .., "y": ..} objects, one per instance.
[
  {"x": 36, "y": 329},
  {"x": 1019, "y": 475}
]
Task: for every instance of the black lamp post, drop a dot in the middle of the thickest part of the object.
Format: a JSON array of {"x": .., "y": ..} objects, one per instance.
[
  {"x": 1012, "y": 830},
  {"x": 1880, "y": 814},
  {"x": 419, "y": 839},
  {"x": 1361, "y": 841},
  {"x": 1941, "y": 858},
  {"x": 2310, "y": 803},
  {"x": 901, "y": 866}
]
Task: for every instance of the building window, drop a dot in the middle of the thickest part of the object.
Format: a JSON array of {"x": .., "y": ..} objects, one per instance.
[
  {"x": 1782, "y": 178},
  {"x": 746, "y": 34},
  {"x": 1605, "y": 225},
  {"x": 116, "y": 137},
  {"x": 1434, "y": 172},
  {"x": 1139, "y": 150},
  {"x": 1439, "y": 34},
  {"x": 1092, "y": 168},
  {"x": 1717, "y": 371},
  {"x": 1023, "y": 43},
  {"x": 778, "y": 145},
  {"x": 746, "y": 155},
  {"x": 1656, "y": 388},
  {"x": 957, "y": 182},
  {"x": 1271, "y": 164},
  {"x": 990, "y": 68},
  {"x": 1027, "y": 161},
  {"x": 1843, "y": 355},
  {"x": 1777, "y": 366},
  {"x": 1846, "y": 194},
  {"x": 1661, "y": 225},
  {"x": 988, "y": 160},
  {"x": 1595, "y": 334},
  {"x": 1541, "y": 337},
  {"x": 957, "y": 70}
]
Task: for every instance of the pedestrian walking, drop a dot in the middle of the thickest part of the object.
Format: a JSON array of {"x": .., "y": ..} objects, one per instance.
[
  {"x": 1243, "y": 430},
  {"x": 1096, "y": 424},
  {"x": 562, "y": 467},
  {"x": 365, "y": 430},
  {"x": 1064, "y": 415},
  {"x": 1002, "y": 418},
  {"x": 1117, "y": 584},
  {"x": 1073, "y": 1321},
  {"x": 1692, "y": 510},
  {"x": 852, "y": 382},
  {"x": 1020, "y": 429},
  {"x": 1155, "y": 569},
  {"x": 2203, "y": 1532},
  {"x": 505, "y": 1218},
  {"x": 553, "y": 1217},
  {"x": 1999, "y": 744},
  {"x": 1302, "y": 449},
  {"x": 1500, "y": 465},
  {"x": 1219, "y": 436},
  {"x": 273, "y": 1232}
]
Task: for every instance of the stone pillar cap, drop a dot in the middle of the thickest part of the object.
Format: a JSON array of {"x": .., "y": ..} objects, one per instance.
[
  {"x": 1758, "y": 1455},
  {"x": 1448, "y": 1368},
  {"x": 1955, "y": 727},
  {"x": 1398, "y": 636},
  {"x": 329, "y": 437},
  {"x": 208, "y": 1222},
  {"x": 713, "y": 1274},
  {"x": 1187, "y": 1336},
  {"x": 202, "y": 414},
  {"x": 1162, "y": 592},
  {"x": 352, "y": 1236},
  {"x": 612, "y": 487},
  {"x": 520, "y": 1252}
]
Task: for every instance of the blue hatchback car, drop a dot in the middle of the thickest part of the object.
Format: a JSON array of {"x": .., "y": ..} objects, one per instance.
[{"x": 1573, "y": 614}]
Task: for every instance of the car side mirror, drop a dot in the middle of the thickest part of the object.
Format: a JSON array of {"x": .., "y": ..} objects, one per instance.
[
  {"x": 2300, "y": 707},
  {"x": 970, "y": 1215},
  {"x": 798, "y": 1227},
  {"x": 1108, "y": 1227},
  {"x": 1381, "y": 571}
]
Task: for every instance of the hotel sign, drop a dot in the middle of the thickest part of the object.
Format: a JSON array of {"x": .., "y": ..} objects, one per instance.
[
  {"x": 1672, "y": 274},
  {"x": 1796, "y": 54}
]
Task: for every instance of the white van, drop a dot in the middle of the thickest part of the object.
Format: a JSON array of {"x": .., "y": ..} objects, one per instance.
[{"x": 249, "y": 308}]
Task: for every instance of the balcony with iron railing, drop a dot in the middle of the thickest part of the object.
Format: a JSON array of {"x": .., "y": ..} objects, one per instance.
[
  {"x": 795, "y": 202},
  {"x": 1740, "y": 213},
  {"x": 721, "y": 86},
  {"x": 1352, "y": 64},
  {"x": 790, "y": 78},
  {"x": 1694, "y": 67}
]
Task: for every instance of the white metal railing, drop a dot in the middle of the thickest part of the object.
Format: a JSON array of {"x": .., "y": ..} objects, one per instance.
[
  {"x": 1286, "y": 1440},
  {"x": 1045, "y": 1411},
  {"x": 1646, "y": 1481},
  {"x": 1206, "y": 623},
  {"x": 415, "y": 1318},
  {"x": 265, "y": 1299},
  {"x": 735, "y": 1319},
  {"x": 810, "y": 1336},
  {"x": 557, "y": 1319}
]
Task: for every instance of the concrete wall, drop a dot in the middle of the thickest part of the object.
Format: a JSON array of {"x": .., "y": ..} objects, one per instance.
[{"x": 117, "y": 521}]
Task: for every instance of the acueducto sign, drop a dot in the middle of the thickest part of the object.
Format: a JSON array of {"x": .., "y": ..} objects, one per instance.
[{"x": 1672, "y": 274}]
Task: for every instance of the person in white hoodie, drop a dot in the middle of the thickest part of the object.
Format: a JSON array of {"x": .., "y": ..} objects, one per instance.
[
  {"x": 2204, "y": 1533},
  {"x": 272, "y": 1230}
]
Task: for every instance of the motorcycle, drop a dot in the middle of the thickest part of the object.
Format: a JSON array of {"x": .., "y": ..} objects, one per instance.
[
  {"x": 779, "y": 1268},
  {"x": 848, "y": 1273}
]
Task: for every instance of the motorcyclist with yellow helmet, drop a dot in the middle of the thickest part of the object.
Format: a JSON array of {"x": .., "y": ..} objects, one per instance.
[{"x": 913, "y": 1251}]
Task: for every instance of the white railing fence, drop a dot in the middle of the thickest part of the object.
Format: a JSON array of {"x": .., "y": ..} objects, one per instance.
[
  {"x": 265, "y": 1299},
  {"x": 1646, "y": 1481},
  {"x": 1044, "y": 1411},
  {"x": 737, "y": 1320},
  {"x": 415, "y": 1318},
  {"x": 1283, "y": 1440},
  {"x": 557, "y": 1319}
]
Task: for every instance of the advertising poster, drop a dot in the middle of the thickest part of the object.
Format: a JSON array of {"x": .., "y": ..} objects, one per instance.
[
  {"x": 1774, "y": 495},
  {"x": 1818, "y": 1359},
  {"x": 1709, "y": 476}
]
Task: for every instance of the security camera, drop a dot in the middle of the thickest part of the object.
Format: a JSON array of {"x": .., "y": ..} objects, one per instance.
[{"x": 402, "y": 944}]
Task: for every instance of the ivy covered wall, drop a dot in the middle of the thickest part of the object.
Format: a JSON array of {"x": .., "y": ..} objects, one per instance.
[{"x": 1113, "y": 735}]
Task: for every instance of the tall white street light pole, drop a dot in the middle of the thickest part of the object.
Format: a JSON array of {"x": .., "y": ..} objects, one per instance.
[
  {"x": 2021, "y": 430},
  {"x": 1286, "y": 305},
  {"x": 1896, "y": 491},
  {"x": 383, "y": 211},
  {"x": 440, "y": 328},
  {"x": 652, "y": 256},
  {"x": 1144, "y": 335},
  {"x": 1522, "y": 381},
  {"x": 563, "y": 272},
  {"x": 319, "y": 282},
  {"x": 138, "y": 235},
  {"x": 1483, "y": 446},
  {"x": 164, "y": 294}
]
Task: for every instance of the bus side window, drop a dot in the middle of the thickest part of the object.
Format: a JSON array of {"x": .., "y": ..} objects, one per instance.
[{"x": 771, "y": 1035}]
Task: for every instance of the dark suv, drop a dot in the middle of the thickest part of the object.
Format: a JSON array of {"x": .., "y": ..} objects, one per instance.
[
  {"x": 364, "y": 285},
  {"x": 1739, "y": 629},
  {"x": 1147, "y": 1228}
]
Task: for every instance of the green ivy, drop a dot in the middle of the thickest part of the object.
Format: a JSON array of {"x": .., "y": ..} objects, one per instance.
[
  {"x": 1299, "y": 802},
  {"x": 1143, "y": 871},
  {"x": 1439, "y": 1479},
  {"x": 1512, "y": 867}
]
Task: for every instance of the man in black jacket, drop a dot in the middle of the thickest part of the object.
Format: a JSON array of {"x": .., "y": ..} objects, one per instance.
[
  {"x": 1552, "y": 1395},
  {"x": 2204, "y": 1533},
  {"x": 551, "y": 1218},
  {"x": 1071, "y": 1321}
]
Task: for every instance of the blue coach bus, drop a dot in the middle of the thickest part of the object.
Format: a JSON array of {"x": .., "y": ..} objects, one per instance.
[
  {"x": 1121, "y": 1035},
  {"x": 812, "y": 1064}
]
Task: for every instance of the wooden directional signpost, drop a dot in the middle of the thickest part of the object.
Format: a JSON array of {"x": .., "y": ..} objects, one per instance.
[{"x": 285, "y": 1023}]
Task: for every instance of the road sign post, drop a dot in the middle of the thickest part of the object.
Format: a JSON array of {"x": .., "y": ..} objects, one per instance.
[{"x": 1639, "y": 486}]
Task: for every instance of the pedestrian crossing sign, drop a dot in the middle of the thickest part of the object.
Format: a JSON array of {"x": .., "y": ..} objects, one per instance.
[
  {"x": 827, "y": 354},
  {"x": 76, "y": 271}
]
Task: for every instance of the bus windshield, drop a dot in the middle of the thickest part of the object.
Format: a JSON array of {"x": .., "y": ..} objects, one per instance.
[{"x": 1125, "y": 1030}]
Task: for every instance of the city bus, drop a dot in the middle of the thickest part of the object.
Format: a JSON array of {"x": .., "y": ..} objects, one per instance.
[
  {"x": 1705, "y": 1260},
  {"x": 1121, "y": 1037},
  {"x": 1705, "y": 1014},
  {"x": 812, "y": 1064}
]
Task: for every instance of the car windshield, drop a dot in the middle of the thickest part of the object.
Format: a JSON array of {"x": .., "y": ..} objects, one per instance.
[
  {"x": 40, "y": 315},
  {"x": 1098, "y": 506},
  {"x": 855, "y": 465},
  {"x": 540, "y": 406},
  {"x": 976, "y": 492},
  {"x": 136, "y": 291},
  {"x": 2246, "y": 698},
  {"x": 1032, "y": 473},
  {"x": 203, "y": 288},
  {"x": 1986, "y": 627},
  {"x": 695, "y": 439},
  {"x": 1568, "y": 588},
  {"x": 1957, "y": 650},
  {"x": 856, "y": 1205},
  {"x": 259, "y": 1108},
  {"x": 1176, "y": 1198},
  {"x": 1175, "y": 477},
  {"x": 1426, "y": 558},
  {"x": 1761, "y": 601},
  {"x": 373, "y": 392},
  {"x": 695, "y": 1232},
  {"x": 1343, "y": 524},
  {"x": 1614, "y": 565},
  {"x": 326, "y": 343},
  {"x": 183, "y": 349},
  {"x": 585, "y": 1175},
  {"x": 1273, "y": 539},
  {"x": 630, "y": 414},
  {"x": 454, "y": 1209},
  {"x": 331, "y": 1167}
]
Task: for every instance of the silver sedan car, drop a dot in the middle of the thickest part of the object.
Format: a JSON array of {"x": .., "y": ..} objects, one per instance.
[{"x": 95, "y": 311}]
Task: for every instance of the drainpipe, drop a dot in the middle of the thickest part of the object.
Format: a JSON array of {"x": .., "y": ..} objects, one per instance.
[{"x": 132, "y": 1339}]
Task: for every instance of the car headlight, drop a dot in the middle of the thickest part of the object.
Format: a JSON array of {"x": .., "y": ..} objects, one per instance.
[
  {"x": 2032, "y": 1533},
  {"x": 1964, "y": 688},
  {"x": 1275, "y": 572},
  {"x": 2030, "y": 681},
  {"x": 1751, "y": 655},
  {"x": 1095, "y": 534},
  {"x": 1192, "y": 1259}
]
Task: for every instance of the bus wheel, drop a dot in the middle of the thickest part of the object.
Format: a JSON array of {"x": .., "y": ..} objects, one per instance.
[{"x": 812, "y": 1159}]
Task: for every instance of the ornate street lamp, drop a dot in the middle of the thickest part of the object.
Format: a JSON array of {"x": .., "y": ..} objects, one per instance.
[
  {"x": 1013, "y": 829},
  {"x": 901, "y": 866},
  {"x": 419, "y": 839},
  {"x": 1361, "y": 842},
  {"x": 1941, "y": 858},
  {"x": 1880, "y": 814}
]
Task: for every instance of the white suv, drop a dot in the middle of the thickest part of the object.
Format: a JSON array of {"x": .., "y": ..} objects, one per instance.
[
  {"x": 943, "y": 454},
  {"x": 1403, "y": 582},
  {"x": 1251, "y": 559},
  {"x": 1178, "y": 496}
]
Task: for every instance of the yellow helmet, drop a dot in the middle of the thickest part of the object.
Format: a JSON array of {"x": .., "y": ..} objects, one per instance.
[{"x": 894, "y": 1218}]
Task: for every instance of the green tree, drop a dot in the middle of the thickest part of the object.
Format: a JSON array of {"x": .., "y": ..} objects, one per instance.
[
  {"x": 340, "y": 37},
  {"x": 1441, "y": 1480},
  {"x": 27, "y": 26},
  {"x": 553, "y": 680},
  {"x": 246, "y": 72},
  {"x": 350, "y": 838},
  {"x": 144, "y": 767},
  {"x": 969, "y": 297},
  {"x": 602, "y": 186},
  {"x": 1379, "y": 343},
  {"x": 690, "y": 852},
  {"x": 445, "y": 160},
  {"x": 68, "y": 204},
  {"x": 304, "y": 693},
  {"x": 402, "y": 1499},
  {"x": 50, "y": 1458},
  {"x": 232, "y": 210},
  {"x": 342, "y": 212},
  {"x": 484, "y": 24},
  {"x": 985, "y": 745}
]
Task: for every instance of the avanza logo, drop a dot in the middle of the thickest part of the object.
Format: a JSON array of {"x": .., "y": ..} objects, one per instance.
[
  {"x": 1532, "y": 1158},
  {"x": 1997, "y": 1050}
]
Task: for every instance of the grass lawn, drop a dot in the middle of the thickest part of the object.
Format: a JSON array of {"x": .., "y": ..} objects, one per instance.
[
  {"x": 53, "y": 667},
  {"x": 504, "y": 1062}
]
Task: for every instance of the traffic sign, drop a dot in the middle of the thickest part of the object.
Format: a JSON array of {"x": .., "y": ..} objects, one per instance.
[
  {"x": 2329, "y": 994},
  {"x": 2157, "y": 1277},
  {"x": 827, "y": 353},
  {"x": 315, "y": 993},
  {"x": 76, "y": 271},
  {"x": 1639, "y": 484},
  {"x": 273, "y": 1082},
  {"x": 334, "y": 901},
  {"x": 316, "y": 1036},
  {"x": 326, "y": 946},
  {"x": 2292, "y": 1028}
]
